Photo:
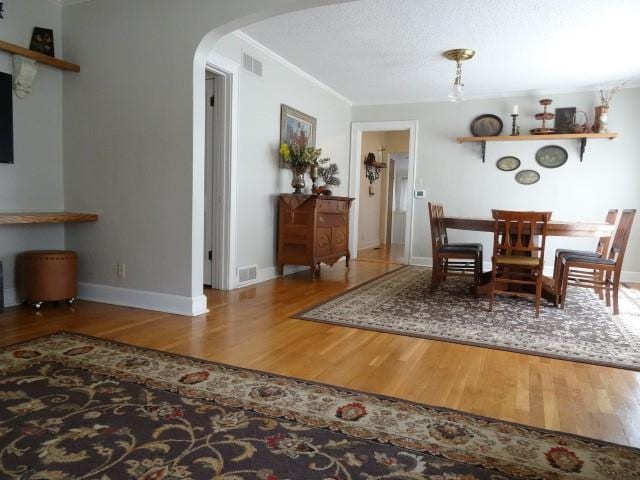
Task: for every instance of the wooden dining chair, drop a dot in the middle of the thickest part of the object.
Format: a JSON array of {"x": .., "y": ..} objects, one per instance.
[
  {"x": 578, "y": 270},
  {"x": 460, "y": 258},
  {"x": 518, "y": 257},
  {"x": 602, "y": 250}
]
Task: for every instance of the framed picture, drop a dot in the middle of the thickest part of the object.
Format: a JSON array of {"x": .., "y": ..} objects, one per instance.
[
  {"x": 42, "y": 41},
  {"x": 296, "y": 127},
  {"x": 6, "y": 118},
  {"x": 564, "y": 122}
]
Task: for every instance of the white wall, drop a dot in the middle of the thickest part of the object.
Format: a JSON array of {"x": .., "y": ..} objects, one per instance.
[
  {"x": 454, "y": 174},
  {"x": 134, "y": 140},
  {"x": 34, "y": 181},
  {"x": 370, "y": 206},
  {"x": 260, "y": 178}
]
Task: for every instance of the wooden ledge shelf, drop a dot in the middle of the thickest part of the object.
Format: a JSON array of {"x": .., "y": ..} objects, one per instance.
[
  {"x": 46, "y": 217},
  {"x": 39, "y": 57},
  {"x": 582, "y": 137}
]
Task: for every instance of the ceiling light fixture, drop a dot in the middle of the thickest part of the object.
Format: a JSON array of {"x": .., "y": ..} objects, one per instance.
[{"x": 458, "y": 55}]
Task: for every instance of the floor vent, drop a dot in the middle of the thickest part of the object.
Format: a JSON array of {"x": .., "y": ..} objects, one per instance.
[
  {"x": 251, "y": 64},
  {"x": 248, "y": 274}
]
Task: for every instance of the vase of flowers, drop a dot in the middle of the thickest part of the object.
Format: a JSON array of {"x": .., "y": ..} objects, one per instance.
[
  {"x": 601, "y": 123},
  {"x": 299, "y": 158}
]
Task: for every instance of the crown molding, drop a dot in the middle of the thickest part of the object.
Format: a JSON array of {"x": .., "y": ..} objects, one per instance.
[{"x": 286, "y": 63}]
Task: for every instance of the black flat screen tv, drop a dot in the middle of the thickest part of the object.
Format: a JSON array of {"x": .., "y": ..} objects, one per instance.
[{"x": 6, "y": 119}]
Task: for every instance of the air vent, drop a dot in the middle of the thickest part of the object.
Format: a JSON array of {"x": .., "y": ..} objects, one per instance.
[
  {"x": 251, "y": 64},
  {"x": 248, "y": 274}
]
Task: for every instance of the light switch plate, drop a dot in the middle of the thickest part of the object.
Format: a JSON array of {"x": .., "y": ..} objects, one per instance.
[{"x": 419, "y": 193}]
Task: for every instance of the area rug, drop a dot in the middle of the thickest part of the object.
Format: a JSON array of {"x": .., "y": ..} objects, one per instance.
[
  {"x": 400, "y": 302},
  {"x": 79, "y": 407}
]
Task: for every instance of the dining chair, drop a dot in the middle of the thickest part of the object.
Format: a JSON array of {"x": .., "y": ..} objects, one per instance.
[
  {"x": 518, "y": 257},
  {"x": 460, "y": 258},
  {"x": 602, "y": 250},
  {"x": 599, "y": 272}
]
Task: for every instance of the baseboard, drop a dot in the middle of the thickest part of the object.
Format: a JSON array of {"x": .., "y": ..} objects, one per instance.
[
  {"x": 11, "y": 297},
  {"x": 626, "y": 276},
  {"x": 369, "y": 244},
  {"x": 128, "y": 297}
]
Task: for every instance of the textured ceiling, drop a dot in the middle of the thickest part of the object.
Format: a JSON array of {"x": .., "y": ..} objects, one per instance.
[{"x": 388, "y": 51}]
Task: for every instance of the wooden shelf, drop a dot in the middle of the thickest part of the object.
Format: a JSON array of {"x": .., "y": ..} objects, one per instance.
[
  {"x": 39, "y": 57},
  {"x": 525, "y": 138},
  {"x": 582, "y": 137},
  {"x": 18, "y": 218}
]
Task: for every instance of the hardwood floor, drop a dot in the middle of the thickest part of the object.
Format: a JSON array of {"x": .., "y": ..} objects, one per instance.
[
  {"x": 393, "y": 253},
  {"x": 251, "y": 328}
]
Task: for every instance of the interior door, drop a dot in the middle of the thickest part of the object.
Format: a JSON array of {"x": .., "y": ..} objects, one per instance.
[{"x": 208, "y": 183}]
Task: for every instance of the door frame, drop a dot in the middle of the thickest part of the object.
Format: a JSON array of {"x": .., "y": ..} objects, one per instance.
[
  {"x": 357, "y": 129},
  {"x": 225, "y": 175}
]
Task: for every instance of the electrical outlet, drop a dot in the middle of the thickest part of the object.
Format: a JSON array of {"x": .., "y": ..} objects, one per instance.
[{"x": 121, "y": 270}]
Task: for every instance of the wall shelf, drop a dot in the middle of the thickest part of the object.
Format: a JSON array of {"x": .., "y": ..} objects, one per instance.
[
  {"x": 20, "y": 218},
  {"x": 39, "y": 57},
  {"x": 581, "y": 137}
]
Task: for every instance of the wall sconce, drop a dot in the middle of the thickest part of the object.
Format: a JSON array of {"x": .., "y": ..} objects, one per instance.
[
  {"x": 373, "y": 168},
  {"x": 24, "y": 73}
]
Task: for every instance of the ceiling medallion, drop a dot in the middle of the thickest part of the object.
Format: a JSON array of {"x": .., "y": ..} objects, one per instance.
[{"x": 458, "y": 55}]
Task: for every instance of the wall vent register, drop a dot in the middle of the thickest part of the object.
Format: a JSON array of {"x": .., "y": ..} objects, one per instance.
[
  {"x": 251, "y": 64},
  {"x": 248, "y": 274}
]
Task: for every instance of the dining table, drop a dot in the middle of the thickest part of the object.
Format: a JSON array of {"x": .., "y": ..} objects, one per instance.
[{"x": 555, "y": 228}]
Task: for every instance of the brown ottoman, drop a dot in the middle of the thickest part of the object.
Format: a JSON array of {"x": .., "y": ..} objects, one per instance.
[{"x": 47, "y": 276}]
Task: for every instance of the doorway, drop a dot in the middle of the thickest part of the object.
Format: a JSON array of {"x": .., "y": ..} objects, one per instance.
[
  {"x": 382, "y": 212},
  {"x": 220, "y": 144}
]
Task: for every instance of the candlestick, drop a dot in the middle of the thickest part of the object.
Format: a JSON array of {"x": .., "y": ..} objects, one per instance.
[{"x": 515, "y": 130}]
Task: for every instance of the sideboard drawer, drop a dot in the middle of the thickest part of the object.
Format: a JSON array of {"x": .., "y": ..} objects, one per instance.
[
  {"x": 332, "y": 219},
  {"x": 333, "y": 206}
]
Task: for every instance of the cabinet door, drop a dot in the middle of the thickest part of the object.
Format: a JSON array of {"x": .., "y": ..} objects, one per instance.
[
  {"x": 323, "y": 241},
  {"x": 339, "y": 239}
]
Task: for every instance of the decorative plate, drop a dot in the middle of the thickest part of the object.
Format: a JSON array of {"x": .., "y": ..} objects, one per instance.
[
  {"x": 507, "y": 164},
  {"x": 527, "y": 177},
  {"x": 551, "y": 156},
  {"x": 486, "y": 126}
]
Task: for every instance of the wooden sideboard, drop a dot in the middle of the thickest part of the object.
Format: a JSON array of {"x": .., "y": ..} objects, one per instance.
[{"x": 312, "y": 229}]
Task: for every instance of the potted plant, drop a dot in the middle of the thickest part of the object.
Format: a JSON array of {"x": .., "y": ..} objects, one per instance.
[
  {"x": 601, "y": 123},
  {"x": 298, "y": 158}
]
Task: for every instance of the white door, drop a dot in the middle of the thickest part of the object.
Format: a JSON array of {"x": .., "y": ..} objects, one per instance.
[{"x": 208, "y": 184}]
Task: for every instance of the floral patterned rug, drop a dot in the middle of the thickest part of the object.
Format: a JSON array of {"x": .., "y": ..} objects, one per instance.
[
  {"x": 401, "y": 302},
  {"x": 77, "y": 407}
]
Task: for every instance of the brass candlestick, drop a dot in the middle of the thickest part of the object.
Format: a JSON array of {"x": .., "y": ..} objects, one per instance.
[{"x": 515, "y": 129}]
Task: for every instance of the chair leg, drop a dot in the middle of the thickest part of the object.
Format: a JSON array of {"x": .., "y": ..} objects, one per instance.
[
  {"x": 435, "y": 274},
  {"x": 538, "y": 292},
  {"x": 616, "y": 287},
  {"x": 607, "y": 288},
  {"x": 443, "y": 272},
  {"x": 565, "y": 284},
  {"x": 492, "y": 287}
]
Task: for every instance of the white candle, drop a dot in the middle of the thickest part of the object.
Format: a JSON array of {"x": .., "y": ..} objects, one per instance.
[{"x": 515, "y": 110}]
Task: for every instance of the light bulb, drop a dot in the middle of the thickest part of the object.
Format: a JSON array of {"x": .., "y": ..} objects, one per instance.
[{"x": 457, "y": 93}]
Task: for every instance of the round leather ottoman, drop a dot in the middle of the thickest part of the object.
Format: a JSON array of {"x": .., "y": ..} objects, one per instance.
[{"x": 47, "y": 276}]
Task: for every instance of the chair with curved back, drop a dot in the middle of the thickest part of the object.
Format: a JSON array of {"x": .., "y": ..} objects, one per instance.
[
  {"x": 518, "y": 258},
  {"x": 448, "y": 257},
  {"x": 599, "y": 272}
]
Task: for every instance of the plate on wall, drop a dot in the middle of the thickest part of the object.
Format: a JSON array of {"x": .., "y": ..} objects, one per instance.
[
  {"x": 508, "y": 164},
  {"x": 486, "y": 126},
  {"x": 527, "y": 177},
  {"x": 551, "y": 156}
]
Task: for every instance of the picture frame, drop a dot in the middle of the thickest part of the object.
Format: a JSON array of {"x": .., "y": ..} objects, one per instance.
[
  {"x": 564, "y": 120},
  {"x": 296, "y": 127},
  {"x": 42, "y": 41}
]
